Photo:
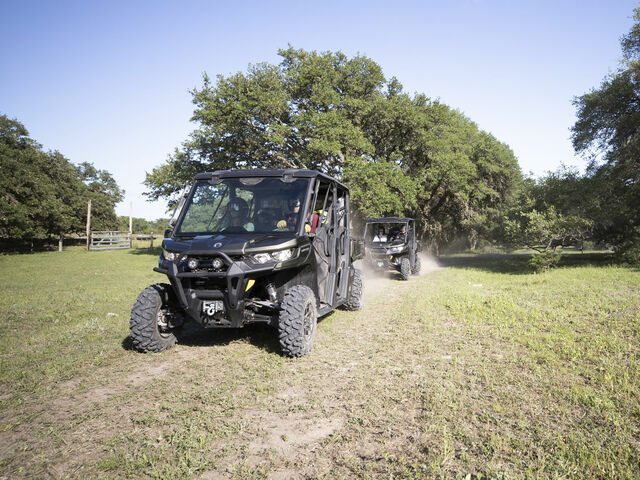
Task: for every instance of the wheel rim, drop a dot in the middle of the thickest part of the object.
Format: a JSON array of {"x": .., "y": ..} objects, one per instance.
[
  {"x": 163, "y": 325},
  {"x": 308, "y": 322}
]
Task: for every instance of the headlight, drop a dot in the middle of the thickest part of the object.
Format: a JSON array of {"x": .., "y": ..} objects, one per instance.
[
  {"x": 395, "y": 250},
  {"x": 171, "y": 256},
  {"x": 282, "y": 255},
  {"x": 193, "y": 263},
  {"x": 279, "y": 256},
  {"x": 261, "y": 257},
  {"x": 217, "y": 263}
]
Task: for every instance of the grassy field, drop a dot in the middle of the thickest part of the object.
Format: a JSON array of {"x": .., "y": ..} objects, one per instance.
[{"x": 479, "y": 369}]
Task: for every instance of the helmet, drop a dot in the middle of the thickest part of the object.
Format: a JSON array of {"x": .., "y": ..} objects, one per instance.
[
  {"x": 294, "y": 202},
  {"x": 238, "y": 205}
]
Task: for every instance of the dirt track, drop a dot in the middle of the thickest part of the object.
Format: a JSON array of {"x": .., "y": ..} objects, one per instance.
[
  {"x": 479, "y": 369},
  {"x": 286, "y": 424}
]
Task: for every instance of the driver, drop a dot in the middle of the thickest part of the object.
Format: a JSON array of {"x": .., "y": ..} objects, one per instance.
[
  {"x": 291, "y": 219},
  {"x": 400, "y": 234},
  {"x": 236, "y": 217}
]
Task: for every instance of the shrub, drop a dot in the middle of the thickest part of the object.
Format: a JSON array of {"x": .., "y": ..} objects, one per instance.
[
  {"x": 544, "y": 261},
  {"x": 629, "y": 254}
]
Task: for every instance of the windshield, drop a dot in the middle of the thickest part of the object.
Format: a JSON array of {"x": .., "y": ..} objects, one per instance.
[
  {"x": 240, "y": 205},
  {"x": 385, "y": 232}
]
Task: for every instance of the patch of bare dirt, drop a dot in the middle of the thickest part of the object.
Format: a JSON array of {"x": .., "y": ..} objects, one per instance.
[
  {"x": 70, "y": 402},
  {"x": 286, "y": 434}
]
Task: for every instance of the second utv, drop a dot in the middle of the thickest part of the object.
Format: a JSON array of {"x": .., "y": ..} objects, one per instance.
[{"x": 391, "y": 244}]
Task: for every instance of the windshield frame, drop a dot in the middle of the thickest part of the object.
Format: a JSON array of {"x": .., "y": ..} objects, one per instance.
[{"x": 305, "y": 194}]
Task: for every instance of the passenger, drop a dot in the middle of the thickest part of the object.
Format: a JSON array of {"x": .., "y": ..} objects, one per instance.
[
  {"x": 380, "y": 237},
  {"x": 291, "y": 219}
]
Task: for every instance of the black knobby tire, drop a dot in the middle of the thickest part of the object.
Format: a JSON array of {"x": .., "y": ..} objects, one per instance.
[
  {"x": 405, "y": 268},
  {"x": 149, "y": 330},
  {"x": 355, "y": 297},
  {"x": 417, "y": 266},
  {"x": 298, "y": 321}
]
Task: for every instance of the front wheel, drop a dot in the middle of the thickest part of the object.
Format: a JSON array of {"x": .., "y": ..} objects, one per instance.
[
  {"x": 150, "y": 325},
  {"x": 297, "y": 322},
  {"x": 405, "y": 268}
]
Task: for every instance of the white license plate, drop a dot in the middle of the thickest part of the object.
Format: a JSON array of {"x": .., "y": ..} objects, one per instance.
[
  {"x": 210, "y": 308},
  {"x": 380, "y": 264}
]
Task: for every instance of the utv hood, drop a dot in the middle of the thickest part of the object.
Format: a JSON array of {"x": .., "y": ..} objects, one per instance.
[{"x": 231, "y": 244}]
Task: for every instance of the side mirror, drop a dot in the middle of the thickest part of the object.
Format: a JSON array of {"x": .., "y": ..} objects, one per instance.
[{"x": 168, "y": 232}]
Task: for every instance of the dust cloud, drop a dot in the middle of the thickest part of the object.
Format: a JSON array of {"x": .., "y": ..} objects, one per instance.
[
  {"x": 429, "y": 263},
  {"x": 377, "y": 282}
]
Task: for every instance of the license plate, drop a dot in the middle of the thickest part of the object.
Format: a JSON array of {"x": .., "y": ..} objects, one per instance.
[
  {"x": 380, "y": 264},
  {"x": 210, "y": 308}
]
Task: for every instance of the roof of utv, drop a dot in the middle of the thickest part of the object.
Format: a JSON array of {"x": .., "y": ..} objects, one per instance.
[
  {"x": 266, "y": 172},
  {"x": 389, "y": 220}
]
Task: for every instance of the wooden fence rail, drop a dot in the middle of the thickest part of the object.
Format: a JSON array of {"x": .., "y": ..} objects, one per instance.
[{"x": 109, "y": 240}]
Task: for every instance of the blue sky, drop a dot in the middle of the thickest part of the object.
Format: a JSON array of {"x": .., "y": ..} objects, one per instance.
[{"x": 107, "y": 82}]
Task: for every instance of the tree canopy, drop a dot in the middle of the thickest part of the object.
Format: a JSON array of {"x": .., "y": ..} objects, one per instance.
[
  {"x": 607, "y": 132},
  {"x": 546, "y": 213},
  {"x": 46, "y": 194},
  {"x": 399, "y": 154}
]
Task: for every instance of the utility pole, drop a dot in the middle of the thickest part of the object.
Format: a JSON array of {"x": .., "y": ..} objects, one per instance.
[{"x": 88, "y": 224}]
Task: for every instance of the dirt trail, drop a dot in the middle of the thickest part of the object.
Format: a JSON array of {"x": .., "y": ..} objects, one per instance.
[
  {"x": 377, "y": 283},
  {"x": 310, "y": 399}
]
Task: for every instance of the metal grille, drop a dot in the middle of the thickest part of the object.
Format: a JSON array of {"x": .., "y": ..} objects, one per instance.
[{"x": 109, "y": 240}]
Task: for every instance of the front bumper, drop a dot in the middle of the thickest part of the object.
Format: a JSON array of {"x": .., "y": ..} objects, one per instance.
[
  {"x": 379, "y": 259},
  {"x": 229, "y": 285}
]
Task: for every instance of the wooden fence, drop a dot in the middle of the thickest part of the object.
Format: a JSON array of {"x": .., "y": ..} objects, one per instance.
[{"x": 109, "y": 240}]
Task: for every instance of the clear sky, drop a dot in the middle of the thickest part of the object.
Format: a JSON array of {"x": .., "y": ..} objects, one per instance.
[{"x": 108, "y": 82}]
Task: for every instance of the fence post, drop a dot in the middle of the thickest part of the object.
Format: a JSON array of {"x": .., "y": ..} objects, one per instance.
[
  {"x": 151, "y": 244},
  {"x": 88, "y": 225},
  {"x": 131, "y": 225}
]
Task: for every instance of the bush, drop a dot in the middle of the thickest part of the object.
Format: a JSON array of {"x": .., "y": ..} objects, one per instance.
[
  {"x": 629, "y": 254},
  {"x": 544, "y": 261}
]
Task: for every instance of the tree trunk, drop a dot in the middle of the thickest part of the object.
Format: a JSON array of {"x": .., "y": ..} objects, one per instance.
[
  {"x": 473, "y": 240},
  {"x": 60, "y": 242}
]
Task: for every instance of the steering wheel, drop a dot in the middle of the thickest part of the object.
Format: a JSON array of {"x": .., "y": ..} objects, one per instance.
[{"x": 232, "y": 229}]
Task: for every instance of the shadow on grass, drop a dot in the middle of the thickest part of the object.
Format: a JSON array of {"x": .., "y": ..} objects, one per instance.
[
  {"x": 194, "y": 335},
  {"x": 155, "y": 251},
  {"x": 518, "y": 264},
  {"x": 261, "y": 336}
]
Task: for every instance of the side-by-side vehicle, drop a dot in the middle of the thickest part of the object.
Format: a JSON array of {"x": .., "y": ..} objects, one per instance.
[
  {"x": 391, "y": 244},
  {"x": 249, "y": 246}
]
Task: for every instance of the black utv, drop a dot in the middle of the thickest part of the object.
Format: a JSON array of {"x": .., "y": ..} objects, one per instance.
[
  {"x": 250, "y": 246},
  {"x": 390, "y": 244}
]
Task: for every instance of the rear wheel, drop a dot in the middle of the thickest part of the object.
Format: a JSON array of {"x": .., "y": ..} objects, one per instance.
[
  {"x": 151, "y": 329},
  {"x": 416, "y": 266},
  {"x": 354, "y": 299},
  {"x": 405, "y": 268},
  {"x": 298, "y": 321}
]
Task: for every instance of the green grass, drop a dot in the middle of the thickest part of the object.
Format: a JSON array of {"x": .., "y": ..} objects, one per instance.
[{"x": 481, "y": 368}]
